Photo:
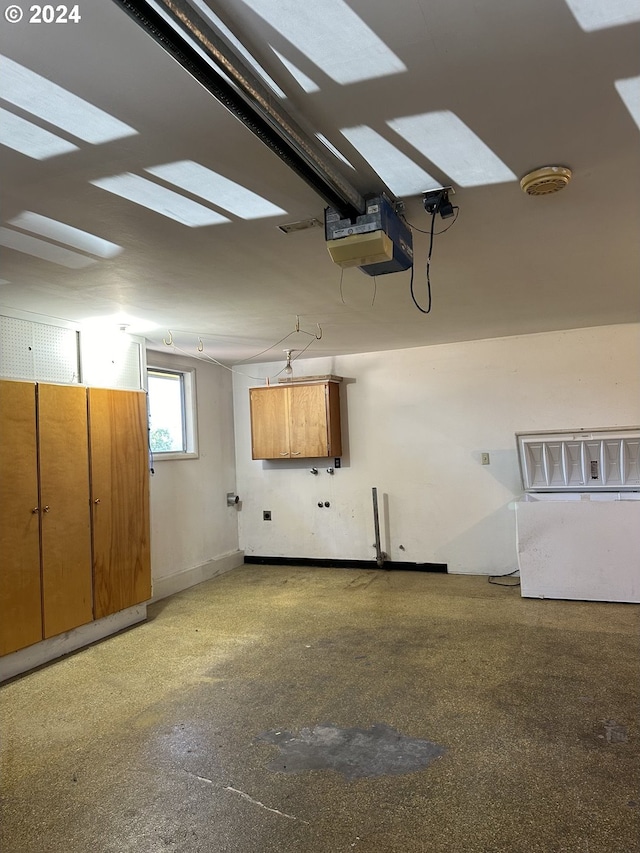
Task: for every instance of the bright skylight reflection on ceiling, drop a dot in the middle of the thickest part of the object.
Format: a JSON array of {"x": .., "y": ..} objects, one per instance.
[
  {"x": 40, "y": 249},
  {"x": 453, "y": 147},
  {"x": 306, "y": 83},
  {"x": 332, "y": 36},
  {"x": 220, "y": 25},
  {"x": 629, "y": 91},
  {"x": 66, "y": 234},
  {"x": 215, "y": 188},
  {"x": 601, "y": 14},
  {"x": 160, "y": 200},
  {"x": 399, "y": 172},
  {"x": 29, "y": 139},
  {"x": 48, "y": 101}
]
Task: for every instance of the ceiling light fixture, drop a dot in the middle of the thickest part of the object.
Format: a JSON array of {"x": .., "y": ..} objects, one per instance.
[
  {"x": 288, "y": 368},
  {"x": 547, "y": 180}
]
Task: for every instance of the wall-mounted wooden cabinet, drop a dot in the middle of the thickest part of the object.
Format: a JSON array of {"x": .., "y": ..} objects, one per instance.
[
  {"x": 58, "y": 570},
  {"x": 296, "y": 421}
]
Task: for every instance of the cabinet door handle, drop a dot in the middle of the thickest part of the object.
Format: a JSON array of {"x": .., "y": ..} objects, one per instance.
[
  {"x": 47, "y": 508},
  {"x": 284, "y": 453},
  {"x": 296, "y": 452},
  {"x": 35, "y": 510},
  {"x": 97, "y": 501}
]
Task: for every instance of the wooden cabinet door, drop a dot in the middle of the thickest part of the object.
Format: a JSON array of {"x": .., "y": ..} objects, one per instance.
[
  {"x": 20, "y": 588},
  {"x": 308, "y": 420},
  {"x": 269, "y": 422},
  {"x": 120, "y": 499},
  {"x": 64, "y": 507}
]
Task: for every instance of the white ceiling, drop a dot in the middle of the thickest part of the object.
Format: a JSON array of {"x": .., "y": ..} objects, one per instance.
[{"x": 524, "y": 76}]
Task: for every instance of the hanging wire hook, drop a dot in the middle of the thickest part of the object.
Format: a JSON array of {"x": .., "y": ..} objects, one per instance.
[
  {"x": 168, "y": 343},
  {"x": 297, "y": 322},
  {"x": 200, "y": 345},
  {"x": 319, "y": 337}
]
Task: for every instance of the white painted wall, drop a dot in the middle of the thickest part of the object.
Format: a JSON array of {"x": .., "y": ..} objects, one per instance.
[
  {"x": 415, "y": 422},
  {"x": 194, "y": 534}
]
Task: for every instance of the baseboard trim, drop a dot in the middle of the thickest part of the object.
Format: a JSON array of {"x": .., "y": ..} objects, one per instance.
[
  {"x": 163, "y": 587},
  {"x": 27, "y": 659},
  {"x": 389, "y": 565}
]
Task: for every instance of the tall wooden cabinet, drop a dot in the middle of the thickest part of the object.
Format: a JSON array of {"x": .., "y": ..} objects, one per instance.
[
  {"x": 67, "y": 452},
  {"x": 119, "y": 499},
  {"x": 65, "y": 523},
  {"x": 296, "y": 421},
  {"x": 20, "y": 582}
]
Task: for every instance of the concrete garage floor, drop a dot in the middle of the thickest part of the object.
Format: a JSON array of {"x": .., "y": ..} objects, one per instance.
[{"x": 175, "y": 735}]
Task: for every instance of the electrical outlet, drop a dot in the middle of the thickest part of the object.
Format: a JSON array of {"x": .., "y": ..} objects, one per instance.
[
  {"x": 266, "y": 515},
  {"x": 337, "y": 462},
  {"x": 485, "y": 459}
]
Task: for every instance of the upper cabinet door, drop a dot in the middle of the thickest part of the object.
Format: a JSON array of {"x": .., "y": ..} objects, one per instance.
[
  {"x": 269, "y": 422},
  {"x": 20, "y": 589},
  {"x": 118, "y": 439},
  {"x": 65, "y": 515},
  {"x": 308, "y": 420}
]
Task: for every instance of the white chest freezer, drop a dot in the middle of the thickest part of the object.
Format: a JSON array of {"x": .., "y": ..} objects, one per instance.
[{"x": 578, "y": 524}]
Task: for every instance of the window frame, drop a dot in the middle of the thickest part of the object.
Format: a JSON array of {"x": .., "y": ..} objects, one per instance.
[{"x": 189, "y": 413}]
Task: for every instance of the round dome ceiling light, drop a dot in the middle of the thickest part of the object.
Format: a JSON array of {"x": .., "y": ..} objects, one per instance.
[{"x": 549, "y": 179}]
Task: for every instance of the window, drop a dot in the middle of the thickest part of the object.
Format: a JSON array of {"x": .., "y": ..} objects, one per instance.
[{"x": 172, "y": 419}]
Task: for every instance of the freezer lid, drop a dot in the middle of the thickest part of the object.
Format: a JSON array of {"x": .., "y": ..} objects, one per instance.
[{"x": 594, "y": 460}]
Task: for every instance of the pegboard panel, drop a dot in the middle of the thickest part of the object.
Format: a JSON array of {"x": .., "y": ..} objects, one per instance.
[{"x": 38, "y": 351}]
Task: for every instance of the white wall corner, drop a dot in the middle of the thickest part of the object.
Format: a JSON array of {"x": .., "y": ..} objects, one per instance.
[{"x": 169, "y": 585}]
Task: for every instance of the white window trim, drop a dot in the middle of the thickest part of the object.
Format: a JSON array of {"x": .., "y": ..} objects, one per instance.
[{"x": 190, "y": 415}]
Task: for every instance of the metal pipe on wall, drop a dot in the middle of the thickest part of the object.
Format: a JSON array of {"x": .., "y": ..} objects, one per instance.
[{"x": 380, "y": 555}]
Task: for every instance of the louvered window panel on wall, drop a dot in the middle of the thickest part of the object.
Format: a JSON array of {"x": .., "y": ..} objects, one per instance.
[
  {"x": 594, "y": 460},
  {"x": 38, "y": 351}
]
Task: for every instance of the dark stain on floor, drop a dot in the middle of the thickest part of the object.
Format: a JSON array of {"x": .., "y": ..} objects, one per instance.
[{"x": 355, "y": 753}]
